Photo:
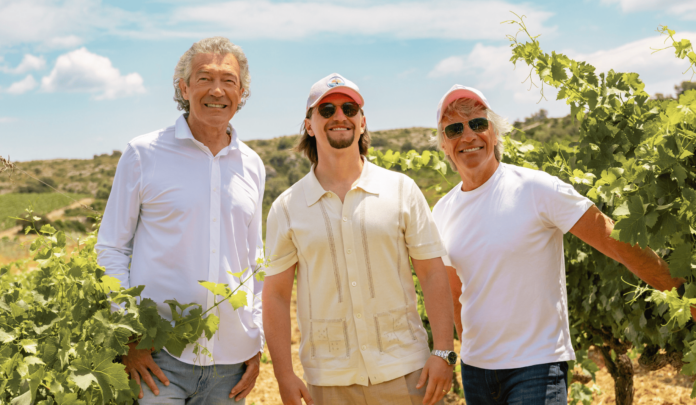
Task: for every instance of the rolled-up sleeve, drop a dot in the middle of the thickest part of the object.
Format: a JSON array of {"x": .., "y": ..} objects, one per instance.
[
  {"x": 280, "y": 249},
  {"x": 421, "y": 235},
  {"x": 115, "y": 239}
]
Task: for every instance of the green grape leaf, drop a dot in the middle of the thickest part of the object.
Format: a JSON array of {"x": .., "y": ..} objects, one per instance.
[
  {"x": 109, "y": 284},
  {"x": 24, "y": 399},
  {"x": 70, "y": 398},
  {"x": 633, "y": 228},
  {"x": 238, "y": 300},
  {"x": 210, "y": 325},
  {"x": 215, "y": 288},
  {"x": 101, "y": 369},
  {"x": 680, "y": 261},
  {"x": 238, "y": 274}
]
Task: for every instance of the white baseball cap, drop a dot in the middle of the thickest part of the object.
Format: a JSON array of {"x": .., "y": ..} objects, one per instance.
[
  {"x": 456, "y": 92},
  {"x": 333, "y": 83}
]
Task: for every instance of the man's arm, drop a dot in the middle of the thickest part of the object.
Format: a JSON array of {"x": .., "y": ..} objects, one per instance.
[
  {"x": 114, "y": 247},
  {"x": 456, "y": 290},
  {"x": 277, "y": 292},
  {"x": 438, "y": 304},
  {"x": 594, "y": 228}
]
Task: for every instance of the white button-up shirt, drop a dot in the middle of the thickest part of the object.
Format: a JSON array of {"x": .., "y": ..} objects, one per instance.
[{"x": 185, "y": 215}]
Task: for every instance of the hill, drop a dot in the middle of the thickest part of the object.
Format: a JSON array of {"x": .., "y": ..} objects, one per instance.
[{"x": 93, "y": 177}]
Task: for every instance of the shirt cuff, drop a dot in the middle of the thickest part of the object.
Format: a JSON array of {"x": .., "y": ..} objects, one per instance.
[
  {"x": 425, "y": 252},
  {"x": 280, "y": 265}
]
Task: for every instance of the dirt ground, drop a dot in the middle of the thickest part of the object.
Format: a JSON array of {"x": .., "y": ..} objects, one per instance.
[{"x": 662, "y": 387}]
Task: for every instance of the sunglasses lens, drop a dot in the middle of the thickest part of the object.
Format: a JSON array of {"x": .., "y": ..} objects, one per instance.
[
  {"x": 478, "y": 124},
  {"x": 327, "y": 110},
  {"x": 350, "y": 109},
  {"x": 454, "y": 130}
]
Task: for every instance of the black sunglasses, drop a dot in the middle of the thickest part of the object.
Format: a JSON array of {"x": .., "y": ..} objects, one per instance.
[
  {"x": 456, "y": 130},
  {"x": 327, "y": 110}
]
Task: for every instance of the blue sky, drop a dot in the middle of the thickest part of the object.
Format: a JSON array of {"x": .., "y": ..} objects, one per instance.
[{"x": 83, "y": 77}]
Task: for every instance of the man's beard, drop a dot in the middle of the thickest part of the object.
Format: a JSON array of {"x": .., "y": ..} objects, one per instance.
[{"x": 340, "y": 143}]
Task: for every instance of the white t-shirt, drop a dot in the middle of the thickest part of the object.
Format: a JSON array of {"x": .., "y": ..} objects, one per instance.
[{"x": 505, "y": 239}]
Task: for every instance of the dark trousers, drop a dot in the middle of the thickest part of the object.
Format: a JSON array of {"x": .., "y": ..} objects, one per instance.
[{"x": 541, "y": 384}]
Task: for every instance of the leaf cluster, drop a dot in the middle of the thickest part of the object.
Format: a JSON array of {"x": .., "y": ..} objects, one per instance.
[{"x": 64, "y": 324}]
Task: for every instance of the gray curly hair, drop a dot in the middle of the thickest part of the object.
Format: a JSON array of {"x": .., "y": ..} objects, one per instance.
[
  {"x": 467, "y": 106},
  {"x": 215, "y": 45}
]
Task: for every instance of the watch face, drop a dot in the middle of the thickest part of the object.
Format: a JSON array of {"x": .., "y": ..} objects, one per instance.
[{"x": 452, "y": 358}]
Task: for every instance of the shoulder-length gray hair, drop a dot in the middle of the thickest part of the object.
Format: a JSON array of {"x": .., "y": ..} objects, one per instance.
[
  {"x": 215, "y": 45},
  {"x": 467, "y": 106}
]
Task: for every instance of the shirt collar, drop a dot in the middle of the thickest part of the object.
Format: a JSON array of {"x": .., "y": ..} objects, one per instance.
[
  {"x": 367, "y": 181},
  {"x": 182, "y": 131}
]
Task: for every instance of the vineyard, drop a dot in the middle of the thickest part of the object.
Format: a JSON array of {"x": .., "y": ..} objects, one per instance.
[{"x": 633, "y": 156}]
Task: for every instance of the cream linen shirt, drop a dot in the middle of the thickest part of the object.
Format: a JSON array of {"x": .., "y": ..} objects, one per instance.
[{"x": 356, "y": 301}]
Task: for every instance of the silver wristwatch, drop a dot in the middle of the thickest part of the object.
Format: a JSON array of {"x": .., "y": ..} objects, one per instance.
[{"x": 449, "y": 356}]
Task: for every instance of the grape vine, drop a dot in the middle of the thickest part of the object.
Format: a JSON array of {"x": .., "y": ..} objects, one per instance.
[{"x": 60, "y": 338}]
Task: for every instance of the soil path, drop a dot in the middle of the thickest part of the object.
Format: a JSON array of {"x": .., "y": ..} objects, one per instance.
[{"x": 53, "y": 215}]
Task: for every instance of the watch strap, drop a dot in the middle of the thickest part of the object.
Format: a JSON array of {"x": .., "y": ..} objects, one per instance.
[{"x": 444, "y": 355}]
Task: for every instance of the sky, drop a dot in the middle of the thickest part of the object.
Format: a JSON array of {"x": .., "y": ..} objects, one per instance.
[{"x": 83, "y": 77}]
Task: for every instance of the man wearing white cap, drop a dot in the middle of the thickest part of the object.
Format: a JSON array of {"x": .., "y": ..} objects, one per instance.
[
  {"x": 347, "y": 230},
  {"x": 503, "y": 227}
]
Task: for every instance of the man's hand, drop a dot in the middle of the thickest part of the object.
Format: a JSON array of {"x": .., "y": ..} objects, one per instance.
[
  {"x": 139, "y": 364},
  {"x": 439, "y": 376},
  {"x": 246, "y": 384},
  {"x": 292, "y": 390}
]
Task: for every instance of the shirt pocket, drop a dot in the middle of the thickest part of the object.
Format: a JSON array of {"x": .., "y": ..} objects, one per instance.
[
  {"x": 394, "y": 330},
  {"x": 329, "y": 339}
]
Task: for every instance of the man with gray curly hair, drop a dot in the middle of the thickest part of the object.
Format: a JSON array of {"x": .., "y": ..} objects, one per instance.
[
  {"x": 186, "y": 205},
  {"x": 503, "y": 229}
]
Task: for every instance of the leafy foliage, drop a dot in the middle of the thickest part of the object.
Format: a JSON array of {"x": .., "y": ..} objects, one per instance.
[
  {"x": 634, "y": 158},
  {"x": 60, "y": 338}
]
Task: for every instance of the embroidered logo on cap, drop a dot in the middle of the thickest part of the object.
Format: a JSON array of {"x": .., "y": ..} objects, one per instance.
[{"x": 336, "y": 81}]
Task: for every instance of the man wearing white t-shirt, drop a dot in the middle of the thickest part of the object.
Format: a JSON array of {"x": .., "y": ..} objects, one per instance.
[{"x": 503, "y": 228}]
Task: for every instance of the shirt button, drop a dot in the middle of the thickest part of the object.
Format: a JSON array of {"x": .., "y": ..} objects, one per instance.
[
  {"x": 345, "y": 219},
  {"x": 353, "y": 283},
  {"x": 362, "y": 378},
  {"x": 358, "y": 316},
  {"x": 213, "y": 250},
  {"x": 364, "y": 347},
  {"x": 348, "y": 251},
  {"x": 214, "y": 219}
]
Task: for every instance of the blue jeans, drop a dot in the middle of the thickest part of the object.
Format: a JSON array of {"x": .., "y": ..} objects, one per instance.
[
  {"x": 541, "y": 384},
  {"x": 193, "y": 385}
]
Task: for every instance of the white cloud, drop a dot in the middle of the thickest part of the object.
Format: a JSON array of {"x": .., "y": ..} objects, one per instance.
[
  {"x": 61, "y": 23},
  {"x": 448, "y": 66},
  {"x": 83, "y": 71},
  {"x": 29, "y": 62},
  {"x": 405, "y": 19},
  {"x": 7, "y": 120},
  {"x": 659, "y": 71},
  {"x": 69, "y": 41},
  {"x": 22, "y": 86},
  {"x": 685, "y": 9},
  {"x": 488, "y": 68}
]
